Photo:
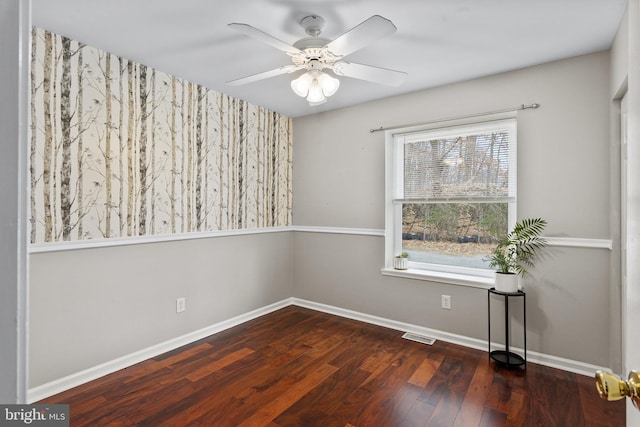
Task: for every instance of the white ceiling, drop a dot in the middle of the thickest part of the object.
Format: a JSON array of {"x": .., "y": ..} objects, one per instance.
[{"x": 437, "y": 42}]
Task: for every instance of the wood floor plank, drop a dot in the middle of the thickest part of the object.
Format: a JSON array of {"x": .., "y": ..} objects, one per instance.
[
  {"x": 216, "y": 391},
  {"x": 328, "y": 395},
  {"x": 353, "y": 404},
  {"x": 219, "y": 364},
  {"x": 499, "y": 394},
  {"x": 377, "y": 362},
  {"x": 439, "y": 385},
  {"x": 492, "y": 418},
  {"x": 274, "y": 408},
  {"x": 418, "y": 415},
  {"x": 518, "y": 410},
  {"x": 290, "y": 355},
  {"x": 264, "y": 384},
  {"x": 298, "y": 367},
  {"x": 181, "y": 354},
  {"x": 424, "y": 373},
  {"x": 595, "y": 414},
  {"x": 225, "y": 393},
  {"x": 556, "y": 389},
  {"x": 389, "y": 408},
  {"x": 475, "y": 398}
]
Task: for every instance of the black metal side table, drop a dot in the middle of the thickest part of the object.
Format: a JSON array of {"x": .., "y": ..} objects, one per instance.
[{"x": 507, "y": 357}]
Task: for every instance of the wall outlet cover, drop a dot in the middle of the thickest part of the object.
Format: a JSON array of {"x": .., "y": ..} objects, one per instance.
[
  {"x": 181, "y": 305},
  {"x": 446, "y": 302}
]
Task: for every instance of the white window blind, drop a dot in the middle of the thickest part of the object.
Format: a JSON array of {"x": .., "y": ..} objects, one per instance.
[{"x": 473, "y": 163}]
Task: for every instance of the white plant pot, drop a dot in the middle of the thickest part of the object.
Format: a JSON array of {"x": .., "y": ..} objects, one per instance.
[
  {"x": 506, "y": 282},
  {"x": 400, "y": 263}
]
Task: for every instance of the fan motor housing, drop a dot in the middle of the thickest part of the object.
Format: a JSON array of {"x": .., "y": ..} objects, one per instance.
[{"x": 314, "y": 58}]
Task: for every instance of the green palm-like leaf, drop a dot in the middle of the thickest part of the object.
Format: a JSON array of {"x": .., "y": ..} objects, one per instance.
[{"x": 519, "y": 248}]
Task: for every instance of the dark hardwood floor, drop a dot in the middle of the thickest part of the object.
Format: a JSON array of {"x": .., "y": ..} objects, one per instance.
[{"x": 298, "y": 367}]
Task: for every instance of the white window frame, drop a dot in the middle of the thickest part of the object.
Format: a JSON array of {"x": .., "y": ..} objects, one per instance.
[{"x": 475, "y": 277}]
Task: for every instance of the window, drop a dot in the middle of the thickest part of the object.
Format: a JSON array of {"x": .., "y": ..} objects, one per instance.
[{"x": 451, "y": 192}]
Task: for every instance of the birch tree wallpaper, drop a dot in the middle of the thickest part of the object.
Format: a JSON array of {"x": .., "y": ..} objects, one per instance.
[{"x": 119, "y": 149}]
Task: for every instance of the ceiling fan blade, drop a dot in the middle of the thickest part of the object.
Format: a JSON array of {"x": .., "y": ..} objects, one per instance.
[
  {"x": 264, "y": 75},
  {"x": 370, "y": 73},
  {"x": 361, "y": 35},
  {"x": 265, "y": 38}
]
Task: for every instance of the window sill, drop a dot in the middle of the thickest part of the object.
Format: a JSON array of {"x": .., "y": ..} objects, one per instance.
[{"x": 440, "y": 277}]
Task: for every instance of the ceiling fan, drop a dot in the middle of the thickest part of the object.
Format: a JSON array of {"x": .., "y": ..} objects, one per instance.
[{"x": 316, "y": 54}]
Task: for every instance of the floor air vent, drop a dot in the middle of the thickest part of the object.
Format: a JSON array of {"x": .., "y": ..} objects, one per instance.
[{"x": 419, "y": 338}]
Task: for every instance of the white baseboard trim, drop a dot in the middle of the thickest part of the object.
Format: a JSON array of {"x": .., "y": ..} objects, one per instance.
[
  {"x": 57, "y": 386},
  {"x": 392, "y": 324},
  {"x": 534, "y": 357}
]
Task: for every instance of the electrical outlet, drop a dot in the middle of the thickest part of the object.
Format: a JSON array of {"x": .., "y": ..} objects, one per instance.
[
  {"x": 181, "y": 305},
  {"x": 446, "y": 302}
]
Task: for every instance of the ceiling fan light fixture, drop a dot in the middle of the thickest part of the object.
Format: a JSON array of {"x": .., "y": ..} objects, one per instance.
[
  {"x": 313, "y": 104},
  {"x": 316, "y": 86},
  {"x": 328, "y": 84},
  {"x": 315, "y": 93},
  {"x": 301, "y": 85}
]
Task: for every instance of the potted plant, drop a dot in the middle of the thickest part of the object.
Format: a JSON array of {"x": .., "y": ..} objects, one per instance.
[
  {"x": 400, "y": 262},
  {"x": 516, "y": 252}
]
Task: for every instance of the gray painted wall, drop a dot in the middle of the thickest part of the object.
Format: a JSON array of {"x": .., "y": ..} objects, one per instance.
[
  {"x": 14, "y": 26},
  {"x": 563, "y": 175},
  {"x": 92, "y": 306}
]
